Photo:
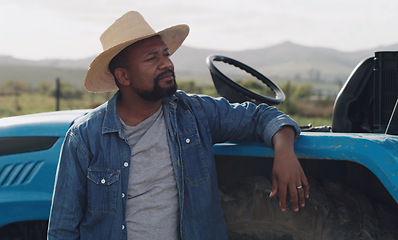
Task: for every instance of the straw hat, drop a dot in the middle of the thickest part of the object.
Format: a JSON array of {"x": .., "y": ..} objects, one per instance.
[{"x": 128, "y": 29}]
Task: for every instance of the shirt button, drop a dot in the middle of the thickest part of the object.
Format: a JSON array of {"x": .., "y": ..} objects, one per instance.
[
  {"x": 188, "y": 140},
  {"x": 126, "y": 164},
  {"x": 122, "y": 227},
  {"x": 123, "y": 195},
  {"x": 103, "y": 181}
]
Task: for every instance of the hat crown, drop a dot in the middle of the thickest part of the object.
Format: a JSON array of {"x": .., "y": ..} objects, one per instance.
[{"x": 131, "y": 25}]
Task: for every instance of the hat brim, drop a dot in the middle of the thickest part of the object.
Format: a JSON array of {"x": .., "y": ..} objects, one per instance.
[{"x": 99, "y": 79}]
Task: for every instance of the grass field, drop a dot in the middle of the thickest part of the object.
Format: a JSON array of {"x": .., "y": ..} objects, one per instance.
[
  {"x": 315, "y": 121},
  {"x": 28, "y": 103}
]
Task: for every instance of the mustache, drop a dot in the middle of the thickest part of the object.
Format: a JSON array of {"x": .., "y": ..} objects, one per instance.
[{"x": 168, "y": 71}]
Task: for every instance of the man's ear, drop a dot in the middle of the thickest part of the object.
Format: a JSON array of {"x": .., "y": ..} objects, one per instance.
[{"x": 122, "y": 76}]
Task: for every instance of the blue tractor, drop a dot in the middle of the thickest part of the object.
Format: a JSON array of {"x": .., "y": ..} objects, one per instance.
[{"x": 352, "y": 166}]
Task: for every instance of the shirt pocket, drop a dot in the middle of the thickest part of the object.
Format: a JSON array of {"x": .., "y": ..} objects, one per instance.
[
  {"x": 195, "y": 168},
  {"x": 102, "y": 190}
]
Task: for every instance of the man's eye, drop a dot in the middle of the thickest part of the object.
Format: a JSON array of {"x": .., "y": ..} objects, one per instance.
[{"x": 150, "y": 59}]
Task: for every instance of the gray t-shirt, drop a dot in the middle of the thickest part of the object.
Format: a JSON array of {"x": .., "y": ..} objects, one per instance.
[{"x": 152, "y": 198}]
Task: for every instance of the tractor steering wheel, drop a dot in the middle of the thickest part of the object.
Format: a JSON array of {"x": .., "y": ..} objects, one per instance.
[{"x": 235, "y": 92}]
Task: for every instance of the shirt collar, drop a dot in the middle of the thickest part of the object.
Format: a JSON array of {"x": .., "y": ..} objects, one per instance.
[{"x": 111, "y": 121}]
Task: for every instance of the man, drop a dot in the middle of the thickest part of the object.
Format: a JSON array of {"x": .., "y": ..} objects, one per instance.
[{"x": 141, "y": 165}]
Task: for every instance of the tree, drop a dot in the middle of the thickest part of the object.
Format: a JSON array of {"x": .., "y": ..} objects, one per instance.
[
  {"x": 303, "y": 91},
  {"x": 15, "y": 87},
  {"x": 44, "y": 87}
]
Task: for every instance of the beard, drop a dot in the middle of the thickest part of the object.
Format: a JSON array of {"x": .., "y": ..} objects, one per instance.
[{"x": 158, "y": 92}]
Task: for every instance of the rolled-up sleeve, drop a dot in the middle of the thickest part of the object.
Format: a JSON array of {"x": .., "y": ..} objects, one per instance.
[{"x": 276, "y": 124}]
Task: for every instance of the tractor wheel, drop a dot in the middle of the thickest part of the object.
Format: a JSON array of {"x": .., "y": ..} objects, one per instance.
[
  {"x": 332, "y": 212},
  {"x": 30, "y": 230}
]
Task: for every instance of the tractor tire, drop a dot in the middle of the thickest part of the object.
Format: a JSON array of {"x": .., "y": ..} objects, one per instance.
[
  {"x": 388, "y": 222},
  {"x": 332, "y": 212},
  {"x": 29, "y": 230}
]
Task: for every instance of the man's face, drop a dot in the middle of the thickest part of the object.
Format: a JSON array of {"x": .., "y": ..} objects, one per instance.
[{"x": 150, "y": 70}]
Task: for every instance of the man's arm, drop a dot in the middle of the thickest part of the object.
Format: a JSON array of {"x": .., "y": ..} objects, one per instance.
[
  {"x": 69, "y": 195},
  {"x": 247, "y": 121},
  {"x": 287, "y": 173}
]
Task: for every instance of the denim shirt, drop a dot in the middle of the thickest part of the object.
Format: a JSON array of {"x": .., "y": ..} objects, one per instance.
[{"x": 90, "y": 194}]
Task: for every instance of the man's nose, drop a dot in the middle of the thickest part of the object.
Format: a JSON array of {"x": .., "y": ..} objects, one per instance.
[{"x": 166, "y": 63}]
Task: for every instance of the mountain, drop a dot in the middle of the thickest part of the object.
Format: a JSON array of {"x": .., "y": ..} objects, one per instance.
[
  {"x": 33, "y": 72},
  {"x": 51, "y": 63},
  {"x": 285, "y": 61}
]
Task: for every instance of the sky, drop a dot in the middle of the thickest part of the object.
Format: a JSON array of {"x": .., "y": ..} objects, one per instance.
[{"x": 70, "y": 29}]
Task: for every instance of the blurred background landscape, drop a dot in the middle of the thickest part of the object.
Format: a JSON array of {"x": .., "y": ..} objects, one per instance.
[
  {"x": 309, "y": 47},
  {"x": 311, "y": 78}
]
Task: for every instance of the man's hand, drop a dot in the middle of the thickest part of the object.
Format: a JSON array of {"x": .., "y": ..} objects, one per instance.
[{"x": 287, "y": 174}]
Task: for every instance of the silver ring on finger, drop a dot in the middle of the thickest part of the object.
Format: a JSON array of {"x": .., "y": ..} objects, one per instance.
[{"x": 299, "y": 187}]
